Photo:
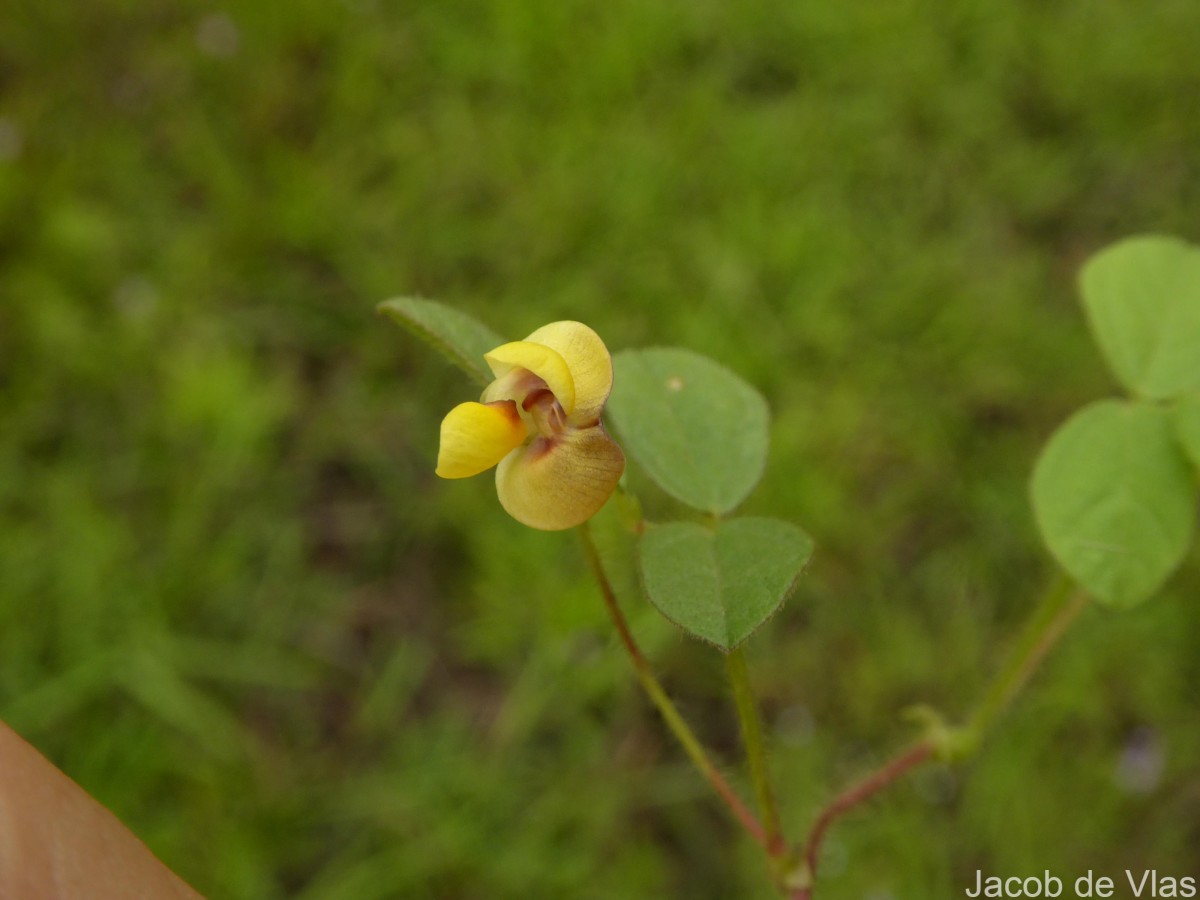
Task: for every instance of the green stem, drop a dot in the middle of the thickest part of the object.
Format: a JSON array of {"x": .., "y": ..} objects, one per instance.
[
  {"x": 654, "y": 690},
  {"x": 1058, "y": 609},
  {"x": 756, "y": 750}
]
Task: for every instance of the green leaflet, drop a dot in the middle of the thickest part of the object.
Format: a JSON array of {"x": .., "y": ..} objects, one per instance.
[
  {"x": 1142, "y": 297},
  {"x": 696, "y": 428},
  {"x": 1114, "y": 499},
  {"x": 721, "y": 583},
  {"x": 460, "y": 338}
]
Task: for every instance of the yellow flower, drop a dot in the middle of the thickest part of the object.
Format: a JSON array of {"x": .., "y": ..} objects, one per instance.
[{"x": 539, "y": 421}]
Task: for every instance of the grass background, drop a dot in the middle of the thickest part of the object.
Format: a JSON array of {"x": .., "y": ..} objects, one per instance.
[{"x": 236, "y": 605}]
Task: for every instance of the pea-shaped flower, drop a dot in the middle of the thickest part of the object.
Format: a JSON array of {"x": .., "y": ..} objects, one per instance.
[{"x": 539, "y": 422}]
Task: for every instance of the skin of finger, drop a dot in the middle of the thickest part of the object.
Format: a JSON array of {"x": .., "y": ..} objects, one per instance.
[{"x": 56, "y": 842}]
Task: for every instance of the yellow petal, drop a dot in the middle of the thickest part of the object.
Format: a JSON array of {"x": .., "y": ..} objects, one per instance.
[
  {"x": 544, "y": 362},
  {"x": 590, "y": 365},
  {"x": 476, "y": 436},
  {"x": 559, "y": 483}
]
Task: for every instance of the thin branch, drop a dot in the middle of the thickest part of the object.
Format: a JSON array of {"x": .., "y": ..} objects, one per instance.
[
  {"x": 659, "y": 698},
  {"x": 756, "y": 751},
  {"x": 1047, "y": 625},
  {"x": 851, "y": 797}
]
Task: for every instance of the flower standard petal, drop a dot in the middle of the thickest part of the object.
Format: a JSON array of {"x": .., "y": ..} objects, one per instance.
[
  {"x": 476, "y": 436},
  {"x": 560, "y": 482},
  {"x": 544, "y": 362},
  {"x": 590, "y": 364}
]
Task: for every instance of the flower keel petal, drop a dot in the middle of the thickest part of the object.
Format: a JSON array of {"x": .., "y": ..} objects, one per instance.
[
  {"x": 476, "y": 436},
  {"x": 562, "y": 482},
  {"x": 544, "y": 362}
]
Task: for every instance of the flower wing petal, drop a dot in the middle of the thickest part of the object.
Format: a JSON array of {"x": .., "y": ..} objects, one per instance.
[
  {"x": 562, "y": 482},
  {"x": 589, "y": 362},
  {"x": 476, "y": 436},
  {"x": 543, "y": 361}
]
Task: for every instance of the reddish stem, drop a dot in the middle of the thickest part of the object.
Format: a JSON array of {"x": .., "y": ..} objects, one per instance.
[{"x": 851, "y": 797}]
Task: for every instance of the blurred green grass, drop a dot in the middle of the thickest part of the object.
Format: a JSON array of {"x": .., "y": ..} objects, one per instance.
[{"x": 236, "y": 605}]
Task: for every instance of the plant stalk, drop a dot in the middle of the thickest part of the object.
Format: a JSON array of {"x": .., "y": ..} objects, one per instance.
[
  {"x": 654, "y": 690},
  {"x": 1058, "y": 609},
  {"x": 851, "y": 797},
  {"x": 756, "y": 750}
]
